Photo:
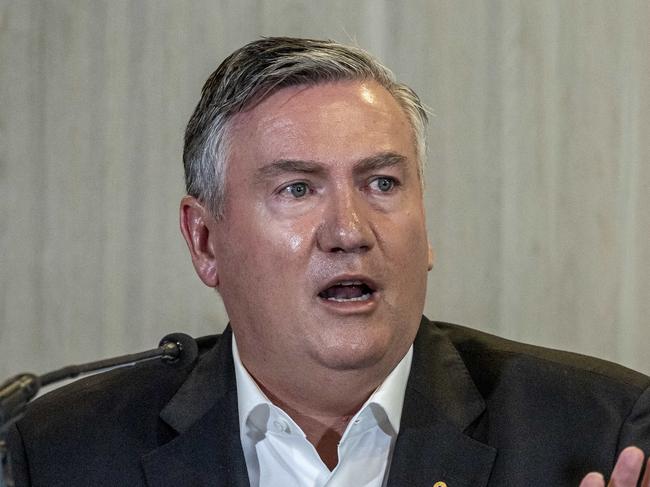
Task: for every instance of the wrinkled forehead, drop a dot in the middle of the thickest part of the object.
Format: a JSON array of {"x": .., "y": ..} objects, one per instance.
[
  {"x": 326, "y": 111},
  {"x": 360, "y": 107}
]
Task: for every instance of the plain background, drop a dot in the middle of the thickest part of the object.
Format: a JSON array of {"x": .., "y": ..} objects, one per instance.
[{"x": 538, "y": 183}]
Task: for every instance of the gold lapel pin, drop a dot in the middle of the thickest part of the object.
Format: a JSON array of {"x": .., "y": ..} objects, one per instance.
[{"x": 440, "y": 484}]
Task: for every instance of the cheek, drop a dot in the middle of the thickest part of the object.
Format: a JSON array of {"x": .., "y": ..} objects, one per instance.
[
  {"x": 288, "y": 242},
  {"x": 406, "y": 249},
  {"x": 275, "y": 247},
  {"x": 406, "y": 235},
  {"x": 287, "y": 235}
]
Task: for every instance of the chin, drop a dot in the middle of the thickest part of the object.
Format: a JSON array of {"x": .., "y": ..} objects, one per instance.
[{"x": 355, "y": 353}]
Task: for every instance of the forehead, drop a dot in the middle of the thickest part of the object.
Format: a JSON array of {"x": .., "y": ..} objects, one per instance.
[{"x": 337, "y": 121}]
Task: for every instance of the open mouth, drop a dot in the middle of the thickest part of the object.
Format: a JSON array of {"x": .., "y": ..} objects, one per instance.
[{"x": 347, "y": 291}]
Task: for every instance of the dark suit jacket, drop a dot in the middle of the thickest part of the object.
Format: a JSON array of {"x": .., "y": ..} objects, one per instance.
[{"x": 479, "y": 410}]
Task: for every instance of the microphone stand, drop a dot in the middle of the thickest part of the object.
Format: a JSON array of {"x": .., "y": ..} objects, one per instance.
[
  {"x": 6, "y": 477},
  {"x": 16, "y": 392}
]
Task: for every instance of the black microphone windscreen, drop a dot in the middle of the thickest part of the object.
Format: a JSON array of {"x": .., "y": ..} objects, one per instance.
[{"x": 188, "y": 349}]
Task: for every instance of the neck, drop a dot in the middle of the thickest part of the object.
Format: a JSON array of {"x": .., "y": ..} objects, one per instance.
[
  {"x": 318, "y": 392},
  {"x": 321, "y": 406},
  {"x": 323, "y": 429},
  {"x": 320, "y": 400}
]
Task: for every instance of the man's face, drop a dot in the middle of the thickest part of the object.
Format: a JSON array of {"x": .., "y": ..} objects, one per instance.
[{"x": 322, "y": 253}]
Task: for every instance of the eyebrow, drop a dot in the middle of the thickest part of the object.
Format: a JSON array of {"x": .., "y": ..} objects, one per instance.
[
  {"x": 371, "y": 163},
  {"x": 283, "y": 166},
  {"x": 379, "y": 161}
]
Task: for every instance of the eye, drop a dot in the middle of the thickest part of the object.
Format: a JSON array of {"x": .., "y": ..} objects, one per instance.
[
  {"x": 296, "y": 190},
  {"x": 383, "y": 184}
]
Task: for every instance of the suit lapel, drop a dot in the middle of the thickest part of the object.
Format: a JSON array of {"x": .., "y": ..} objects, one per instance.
[
  {"x": 440, "y": 404},
  {"x": 204, "y": 413}
]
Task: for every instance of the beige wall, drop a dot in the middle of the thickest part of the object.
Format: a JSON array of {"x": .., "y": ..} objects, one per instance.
[{"x": 538, "y": 182}]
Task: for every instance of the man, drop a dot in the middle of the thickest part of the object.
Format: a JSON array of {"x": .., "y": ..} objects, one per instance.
[{"x": 303, "y": 166}]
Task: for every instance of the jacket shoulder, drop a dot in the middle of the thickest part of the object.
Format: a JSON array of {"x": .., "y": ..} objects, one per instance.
[
  {"x": 143, "y": 383},
  {"x": 489, "y": 357},
  {"x": 104, "y": 422}
]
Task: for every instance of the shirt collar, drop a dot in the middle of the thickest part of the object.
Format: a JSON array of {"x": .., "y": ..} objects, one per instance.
[
  {"x": 249, "y": 396},
  {"x": 389, "y": 396},
  {"x": 384, "y": 404}
]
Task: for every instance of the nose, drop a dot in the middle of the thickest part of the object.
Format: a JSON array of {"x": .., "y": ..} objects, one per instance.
[{"x": 345, "y": 227}]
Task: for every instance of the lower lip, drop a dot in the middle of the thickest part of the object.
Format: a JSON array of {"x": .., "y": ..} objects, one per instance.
[{"x": 351, "y": 307}]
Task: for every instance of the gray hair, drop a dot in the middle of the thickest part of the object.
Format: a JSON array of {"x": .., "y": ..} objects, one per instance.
[{"x": 256, "y": 71}]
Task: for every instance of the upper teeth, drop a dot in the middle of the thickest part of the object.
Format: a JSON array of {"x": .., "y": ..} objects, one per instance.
[
  {"x": 363, "y": 297},
  {"x": 349, "y": 283}
]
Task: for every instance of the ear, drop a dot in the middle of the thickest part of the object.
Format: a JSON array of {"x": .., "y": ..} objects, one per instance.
[
  {"x": 431, "y": 258},
  {"x": 198, "y": 227}
]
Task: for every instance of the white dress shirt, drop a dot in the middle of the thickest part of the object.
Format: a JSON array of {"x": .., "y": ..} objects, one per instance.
[{"x": 278, "y": 453}]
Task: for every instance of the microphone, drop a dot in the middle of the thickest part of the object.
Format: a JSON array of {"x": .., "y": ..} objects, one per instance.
[
  {"x": 175, "y": 349},
  {"x": 15, "y": 393},
  {"x": 187, "y": 350}
]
